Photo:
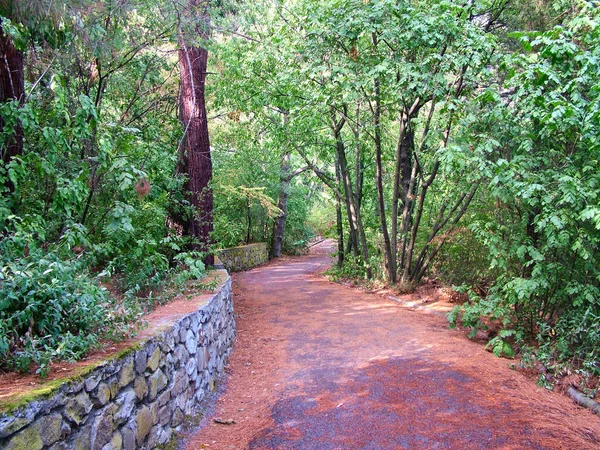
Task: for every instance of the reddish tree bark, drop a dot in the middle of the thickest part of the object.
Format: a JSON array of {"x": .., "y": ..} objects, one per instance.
[
  {"x": 12, "y": 87},
  {"x": 195, "y": 160}
]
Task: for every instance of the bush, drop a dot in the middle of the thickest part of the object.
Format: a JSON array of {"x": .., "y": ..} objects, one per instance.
[{"x": 49, "y": 309}]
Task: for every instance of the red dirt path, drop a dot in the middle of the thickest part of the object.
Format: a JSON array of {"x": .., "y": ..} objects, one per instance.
[{"x": 317, "y": 365}]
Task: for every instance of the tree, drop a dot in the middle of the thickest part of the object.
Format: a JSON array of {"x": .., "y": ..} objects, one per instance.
[
  {"x": 195, "y": 159},
  {"x": 544, "y": 232},
  {"x": 12, "y": 89}
]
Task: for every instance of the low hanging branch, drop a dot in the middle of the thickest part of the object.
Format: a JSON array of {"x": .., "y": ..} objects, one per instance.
[{"x": 251, "y": 193}]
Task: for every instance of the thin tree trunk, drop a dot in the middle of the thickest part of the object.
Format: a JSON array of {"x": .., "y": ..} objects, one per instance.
[
  {"x": 346, "y": 182},
  {"x": 282, "y": 201},
  {"x": 422, "y": 264},
  {"x": 417, "y": 222},
  {"x": 12, "y": 87},
  {"x": 402, "y": 174},
  {"x": 338, "y": 217},
  {"x": 359, "y": 168},
  {"x": 390, "y": 258},
  {"x": 195, "y": 159},
  {"x": 407, "y": 214},
  {"x": 249, "y": 216}
]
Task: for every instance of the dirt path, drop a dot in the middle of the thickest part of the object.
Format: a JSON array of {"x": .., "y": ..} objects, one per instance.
[{"x": 320, "y": 366}]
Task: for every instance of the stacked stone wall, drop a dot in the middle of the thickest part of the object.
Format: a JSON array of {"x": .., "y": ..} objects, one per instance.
[
  {"x": 244, "y": 257},
  {"x": 136, "y": 400}
]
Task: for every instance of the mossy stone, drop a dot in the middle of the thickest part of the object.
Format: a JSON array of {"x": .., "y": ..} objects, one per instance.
[
  {"x": 127, "y": 372},
  {"x": 140, "y": 387},
  {"x": 78, "y": 408},
  {"x": 116, "y": 443},
  {"x": 28, "y": 439},
  {"x": 143, "y": 424},
  {"x": 114, "y": 386},
  {"x": 156, "y": 383},
  {"x": 10, "y": 425},
  {"x": 43, "y": 432},
  {"x": 154, "y": 360},
  {"x": 102, "y": 395}
]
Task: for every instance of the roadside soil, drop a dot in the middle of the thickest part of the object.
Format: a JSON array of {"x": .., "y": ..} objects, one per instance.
[{"x": 318, "y": 365}]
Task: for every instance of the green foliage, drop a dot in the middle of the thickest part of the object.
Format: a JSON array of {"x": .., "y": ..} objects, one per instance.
[
  {"x": 50, "y": 308},
  {"x": 543, "y": 239},
  {"x": 297, "y": 231},
  {"x": 94, "y": 187},
  {"x": 464, "y": 261},
  {"x": 194, "y": 267},
  {"x": 352, "y": 269},
  {"x": 510, "y": 110}
]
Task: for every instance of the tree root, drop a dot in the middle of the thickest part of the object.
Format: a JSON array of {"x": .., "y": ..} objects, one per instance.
[{"x": 582, "y": 400}]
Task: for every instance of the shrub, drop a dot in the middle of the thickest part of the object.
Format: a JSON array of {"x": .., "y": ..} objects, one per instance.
[{"x": 49, "y": 309}]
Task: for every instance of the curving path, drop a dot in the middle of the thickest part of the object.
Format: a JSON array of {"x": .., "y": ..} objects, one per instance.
[{"x": 321, "y": 366}]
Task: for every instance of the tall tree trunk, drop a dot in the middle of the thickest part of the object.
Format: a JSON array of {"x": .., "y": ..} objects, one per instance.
[
  {"x": 359, "y": 169},
  {"x": 403, "y": 176},
  {"x": 389, "y": 256},
  {"x": 338, "y": 217},
  {"x": 195, "y": 160},
  {"x": 12, "y": 87},
  {"x": 249, "y": 216},
  {"x": 282, "y": 201},
  {"x": 345, "y": 181}
]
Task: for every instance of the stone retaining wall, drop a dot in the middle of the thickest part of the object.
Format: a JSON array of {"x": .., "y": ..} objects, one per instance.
[
  {"x": 137, "y": 399},
  {"x": 244, "y": 257}
]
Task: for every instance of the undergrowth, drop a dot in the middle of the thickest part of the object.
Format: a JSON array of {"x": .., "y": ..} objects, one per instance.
[{"x": 53, "y": 307}]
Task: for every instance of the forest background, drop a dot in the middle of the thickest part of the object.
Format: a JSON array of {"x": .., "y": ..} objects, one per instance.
[{"x": 448, "y": 140}]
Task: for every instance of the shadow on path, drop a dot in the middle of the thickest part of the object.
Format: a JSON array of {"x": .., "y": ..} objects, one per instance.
[{"x": 320, "y": 366}]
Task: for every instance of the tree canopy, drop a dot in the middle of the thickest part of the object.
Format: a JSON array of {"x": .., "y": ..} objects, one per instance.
[{"x": 446, "y": 140}]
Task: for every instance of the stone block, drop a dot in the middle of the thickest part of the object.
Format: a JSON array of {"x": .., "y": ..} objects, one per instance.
[
  {"x": 111, "y": 368},
  {"x": 158, "y": 436},
  {"x": 140, "y": 387},
  {"x": 12, "y": 424},
  {"x": 143, "y": 424},
  {"x": 180, "y": 382},
  {"x": 27, "y": 439},
  {"x": 91, "y": 383},
  {"x": 127, "y": 372},
  {"x": 191, "y": 367},
  {"x": 164, "y": 415},
  {"x": 81, "y": 441},
  {"x": 116, "y": 442},
  {"x": 182, "y": 333},
  {"x": 178, "y": 417},
  {"x": 114, "y": 386},
  {"x": 73, "y": 387},
  {"x": 191, "y": 343},
  {"x": 102, "y": 428},
  {"x": 164, "y": 398},
  {"x": 170, "y": 341},
  {"x": 125, "y": 401},
  {"x": 153, "y": 359},
  {"x": 181, "y": 354},
  {"x": 194, "y": 323},
  {"x": 128, "y": 438},
  {"x": 156, "y": 383},
  {"x": 202, "y": 358},
  {"x": 102, "y": 395},
  {"x": 175, "y": 334},
  {"x": 78, "y": 408},
  {"x": 140, "y": 361},
  {"x": 42, "y": 433}
]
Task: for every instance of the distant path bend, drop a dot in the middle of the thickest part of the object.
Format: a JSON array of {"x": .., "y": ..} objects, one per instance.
[{"x": 321, "y": 366}]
